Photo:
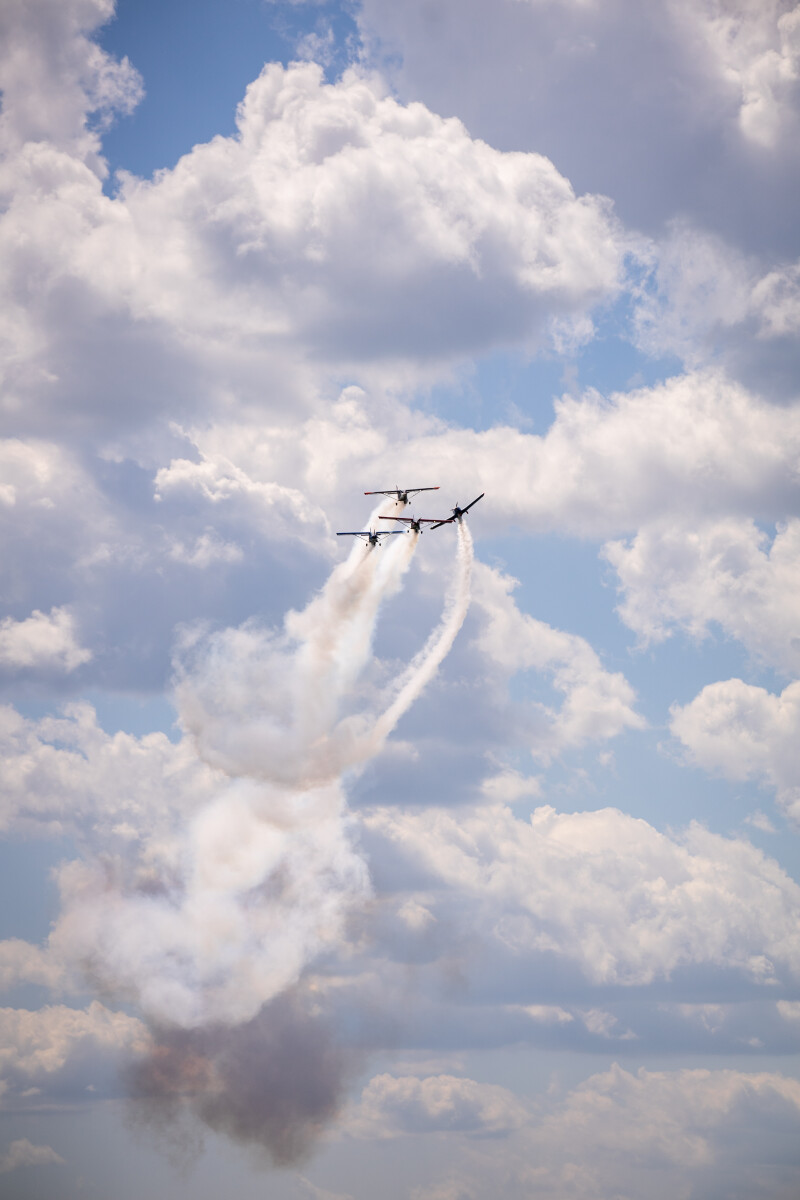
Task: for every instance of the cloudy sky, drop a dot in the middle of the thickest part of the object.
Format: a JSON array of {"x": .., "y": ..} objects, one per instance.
[{"x": 467, "y": 866}]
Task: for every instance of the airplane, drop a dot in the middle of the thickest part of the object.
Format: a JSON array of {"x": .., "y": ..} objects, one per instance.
[
  {"x": 413, "y": 522},
  {"x": 402, "y": 494},
  {"x": 372, "y": 536},
  {"x": 458, "y": 512}
]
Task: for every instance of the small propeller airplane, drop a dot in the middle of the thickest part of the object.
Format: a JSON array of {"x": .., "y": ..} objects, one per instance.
[
  {"x": 414, "y": 523},
  {"x": 458, "y": 512},
  {"x": 402, "y": 494},
  {"x": 372, "y": 535}
]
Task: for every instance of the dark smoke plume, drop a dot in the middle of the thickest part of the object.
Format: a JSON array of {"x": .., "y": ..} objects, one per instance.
[{"x": 273, "y": 1083}]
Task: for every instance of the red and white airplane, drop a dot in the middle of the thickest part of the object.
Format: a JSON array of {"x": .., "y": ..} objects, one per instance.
[
  {"x": 414, "y": 523},
  {"x": 402, "y": 494}
]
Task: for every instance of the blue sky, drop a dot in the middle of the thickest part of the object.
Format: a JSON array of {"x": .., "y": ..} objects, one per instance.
[
  {"x": 468, "y": 865},
  {"x": 196, "y": 60}
]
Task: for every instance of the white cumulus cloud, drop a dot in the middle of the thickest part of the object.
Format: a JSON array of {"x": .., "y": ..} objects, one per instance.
[
  {"x": 43, "y": 641},
  {"x": 735, "y": 729},
  {"x": 598, "y": 704},
  {"x": 391, "y": 1106},
  {"x": 65, "y": 1050},
  {"x": 606, "y": 891},
  {"x": 727, "y": 573},
  {"x": 22, "y": 1153}
]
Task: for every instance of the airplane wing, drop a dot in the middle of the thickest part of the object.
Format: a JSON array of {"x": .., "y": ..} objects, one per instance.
[
  {"x": 446, "y": 521},
  {"x": 475, "y": 501},
  {"x": 406, "y": 491},
  {"x": 353, "y": 533}
]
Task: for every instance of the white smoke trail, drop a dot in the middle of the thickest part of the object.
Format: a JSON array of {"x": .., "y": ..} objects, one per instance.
[
  {"x": 425, "y": 664},
  {"x": 209, "y": 925},
  {"x": 335, "y": 631},
  {"x": 211, "y": 921},
  {"x": 265, "y": 705}
]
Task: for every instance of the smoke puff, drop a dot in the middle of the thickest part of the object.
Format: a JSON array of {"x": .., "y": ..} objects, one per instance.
[
  {"x": 210, "y": 926},
  {"x": 273, "y": 1082}
]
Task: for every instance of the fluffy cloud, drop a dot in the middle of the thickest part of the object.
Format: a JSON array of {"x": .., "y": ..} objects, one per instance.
[
  {"x": 714, "y": 82},
  {"x": 67, "y": 773},
  {"x": 336, "y": 224},
  {"x": 655, "y": 1133},
  {"x": 355, "y": 198},
  {"x": 393, "y": 1106},
  {"x": 54, "y": 75},
  {"x": 699, "y": 287},
  {"x": 279, "y": 510},
  {"x": 207, "y": 550},
  {"x": 664, "y": 1132},
  {"x": 700, "y": 443},
  {"x": 745, "y": 732},
  {"x": 728, "y": 573},
  {"x": 21, "y": 962},
  {"x": 597, "y": 703},
  {"x": 702, "y": 299},
  {"x": 41, "y": 642},
  {"x": 22, "y": 1153},
  {"x": 777, "y": 299},
  {"x": 65, "y": 1051},
  {"x": 602, "y": 890},
  {"x": 755, "y": 45},
  {"x": 697, "y": 443},
  {"x": 46, "y": 497}
]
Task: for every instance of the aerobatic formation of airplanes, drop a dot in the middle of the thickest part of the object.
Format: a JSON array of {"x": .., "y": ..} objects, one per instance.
[{"x": 415, "y": 524}]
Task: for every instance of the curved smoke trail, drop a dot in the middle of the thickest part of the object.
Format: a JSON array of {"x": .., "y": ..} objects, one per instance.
[
  {"x": 209, "y": 924},
  {"x": 424, "y": 665},
  {"x": 264, "y": 704}
]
